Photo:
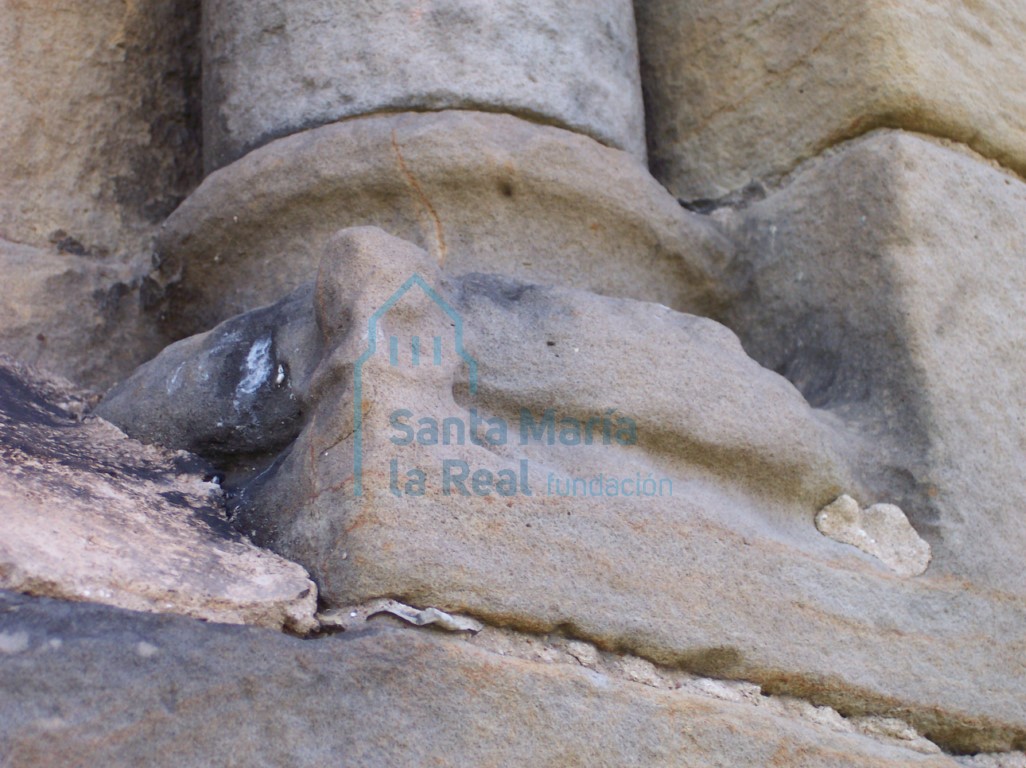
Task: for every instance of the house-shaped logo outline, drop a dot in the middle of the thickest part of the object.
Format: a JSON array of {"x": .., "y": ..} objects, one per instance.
[{"x": 372, "y": 338}]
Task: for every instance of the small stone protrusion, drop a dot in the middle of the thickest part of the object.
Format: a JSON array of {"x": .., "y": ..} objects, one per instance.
[{"x": 882, "y": 531}]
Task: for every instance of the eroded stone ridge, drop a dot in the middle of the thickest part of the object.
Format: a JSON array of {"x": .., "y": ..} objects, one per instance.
[{"x": 476, "y": 190}]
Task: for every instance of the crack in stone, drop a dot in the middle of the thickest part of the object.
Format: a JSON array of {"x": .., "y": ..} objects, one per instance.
[
  {"x": 411, "y": 180},
  {"x": 564, "y": 648}
]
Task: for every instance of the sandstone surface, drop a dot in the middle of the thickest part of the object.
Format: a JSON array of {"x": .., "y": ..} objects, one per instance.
[
  {"x": 497, "y": 430},
  {"x": 895, "y": 301},
  {"x": 720, "y": 569},
  {"x": 99, "y": 122},
  {"x": 79, "y": 317}
]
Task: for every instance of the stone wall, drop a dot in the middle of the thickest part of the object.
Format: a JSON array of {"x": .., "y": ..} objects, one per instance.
[
  {"x": 100, "y": 130},
  {"x": 442, "y": 290}
]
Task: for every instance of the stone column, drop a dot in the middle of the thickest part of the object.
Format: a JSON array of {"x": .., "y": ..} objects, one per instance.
[
  {"x": 272, "y": 68},
  {"x": 501, "y": 135}
]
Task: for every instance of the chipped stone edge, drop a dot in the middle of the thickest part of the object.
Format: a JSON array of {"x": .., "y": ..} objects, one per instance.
[{"x": 351, "y": 618}]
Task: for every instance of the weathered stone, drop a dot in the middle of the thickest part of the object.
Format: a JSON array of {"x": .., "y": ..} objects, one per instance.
[
  {"x": 479, "y": 191},
  {"x": 87, "y": 514},
  {"x": 99, "y": 124},
  {"x": 721, "y": 571},
  {"x": 181, "y": 693},
  {"x": 79, "y": 317},
  {"x": 882, "y": 531},
  {"x": 274, "y": 68},
  {"x": 894, "y": 300},
  {"x": 632, "y": 573},
  {"x": 737, "y": 90}
]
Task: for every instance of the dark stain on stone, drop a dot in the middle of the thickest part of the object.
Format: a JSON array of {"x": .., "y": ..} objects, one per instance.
[
  {"x": 47, "y": 444},
  {"x": 19, "y": 402}
]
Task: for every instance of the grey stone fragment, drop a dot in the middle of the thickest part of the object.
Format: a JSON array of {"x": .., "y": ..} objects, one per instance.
[
  {"x": 236, "y": 390},
  {"x": 274, "y": 68}
]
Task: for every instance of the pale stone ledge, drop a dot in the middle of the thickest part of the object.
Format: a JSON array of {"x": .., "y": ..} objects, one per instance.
[{"x": 188, "y": 693}]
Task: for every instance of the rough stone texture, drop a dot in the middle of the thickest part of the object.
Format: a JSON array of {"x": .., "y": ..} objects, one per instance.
[
  {"x": 76, "y": 316},
  {"x": 87, "y": 514},
  {"x": 274, "y": 68},
  {"x": 479, "y": 191},
  {"x": 895, "y": 301},
  {"x": 728, "y": 577},
  {"x": 179, "y": 693},
  {"x": 738, "y": 90},
  {"x": 882, "y": 531},
  {"x": 98, "y": 126},
  {"x": 1006, "y": 760}
]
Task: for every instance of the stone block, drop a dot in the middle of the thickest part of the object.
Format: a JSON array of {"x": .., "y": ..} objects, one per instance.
[
  {"x": 87, "y": 514},
  {"x": 738, "y": 90},
  {"x": 887, "y": 281},
  {"x": 659, "y": 497}
]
